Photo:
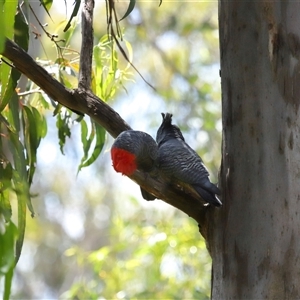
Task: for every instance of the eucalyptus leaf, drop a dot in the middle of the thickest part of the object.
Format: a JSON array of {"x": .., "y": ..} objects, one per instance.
[
  {"x": 129, "y": 9},
  {"x": 98, "y": 134},
  {"x": 73, "y": 15}
]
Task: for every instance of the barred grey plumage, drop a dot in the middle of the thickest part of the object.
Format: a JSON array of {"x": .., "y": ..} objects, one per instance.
[{"x": 178, "y": 160}]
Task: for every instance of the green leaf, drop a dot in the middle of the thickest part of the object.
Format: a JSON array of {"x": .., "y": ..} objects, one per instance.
[
  {"x": 9, "y": 78},
  {"x": 47, "y": 5},
  {"x": 129, "y": 9},
  {"x": 7, "y": 259},
  {"x": 73, "y": 15},
  {"x": 34, "y": 128},
  {"x": 2, "y": 32},
  {"x": 7, "y": 283},
  {"x": 97, "y": 133},
  {"x": 63, "y": 126},
  {"x": 57, "y": 110},
  {"x": 5, "y": 207},
  {"x": 19, "y": 177},
  {"x": 85, "y": 142},
  {"x": 4, "y": 78},
  {"x": 7, "y": 16},
  {"x": 5, "y": 71},
  {"x": 10, "y": 82},
  {"x": 8, "y": 235},
  {"x": 5, "y": 165},
  {"x": 10, "y": 8},
  {"x": 41, "y": 123},
  {"x": 21, "y": 35},
  {"x": 23, "y": 196}
]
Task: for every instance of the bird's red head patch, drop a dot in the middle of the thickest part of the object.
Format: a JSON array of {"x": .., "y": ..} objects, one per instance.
[{"x": 123, "y": 161}]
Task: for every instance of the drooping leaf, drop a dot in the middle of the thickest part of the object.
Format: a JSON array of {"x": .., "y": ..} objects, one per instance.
[
  {"x": 7, "y": 16},
  {"x": 34, "y": 127},
  {"x": 9, "y": 78},
  {"x": 47, "y": 5},
  {"x": 10, "y": 86},
  {"x": 12, "y": 115},
  {"x": 63, "y": 126},
  {"x": 7, "y": 259},
  {"x": 7, "y": 283},
  {"x": 129, "y": 9},
  {"x": 21, "y": 31},
  {"x": 22, "y": 191},
  {"x": 21, "y": 188},
  {"x": 86, "y": 143},
  {"x": 19, "y": 177},
  {"x": 10, "y": 8},
  {"x": 74, "y": 14},
  {"x": 2, "y": 22},
  {"x": 57, "y": 110},
  {"x": 9, "y": 91},
  {"x": 98, "y": 136},
  {"x": 41, "y": 123},
  {"x": 6, "y": 173},
  {"x": 5, "y": 207},
  {"x": 7, "y": 237},
  {"x": 4, "y": 78}
]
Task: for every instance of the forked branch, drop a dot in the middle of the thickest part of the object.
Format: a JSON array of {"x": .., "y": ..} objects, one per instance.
[{"x": 86, "y": 102}]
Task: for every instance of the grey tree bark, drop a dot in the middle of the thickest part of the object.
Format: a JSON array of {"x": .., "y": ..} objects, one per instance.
[{"x": 254, "y": 238}]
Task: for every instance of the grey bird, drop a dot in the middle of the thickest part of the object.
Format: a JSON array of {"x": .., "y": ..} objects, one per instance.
[
  {"x": 176, "y": 159},
  {"x": 134, "y": 150}
]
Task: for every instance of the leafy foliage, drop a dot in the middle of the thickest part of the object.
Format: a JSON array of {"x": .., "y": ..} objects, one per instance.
[
  {"x": 147, "y": 262},
  {"x": 23, "y": 125},
  {"x": 108, "y": 78}
]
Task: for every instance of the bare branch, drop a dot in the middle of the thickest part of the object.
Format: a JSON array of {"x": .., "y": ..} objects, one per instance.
[
  {"x": 78, "y": 100},
  {"x": 183, "y": 198},
  {"x": 86, "y": 52},
  {"x": 38, "y": 90}
]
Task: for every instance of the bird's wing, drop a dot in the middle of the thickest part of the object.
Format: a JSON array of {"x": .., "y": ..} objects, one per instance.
[{"x": 182, "y": 162}]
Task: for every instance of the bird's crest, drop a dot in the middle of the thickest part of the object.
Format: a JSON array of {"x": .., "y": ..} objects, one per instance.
[{"x": 167, "y": 129}]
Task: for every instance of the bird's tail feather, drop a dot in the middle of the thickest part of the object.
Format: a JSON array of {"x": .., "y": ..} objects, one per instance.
[{"x": 208, "y": 196}]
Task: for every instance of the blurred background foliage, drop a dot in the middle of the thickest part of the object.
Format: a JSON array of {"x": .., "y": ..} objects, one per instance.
[{"x": 93, "y": 237}]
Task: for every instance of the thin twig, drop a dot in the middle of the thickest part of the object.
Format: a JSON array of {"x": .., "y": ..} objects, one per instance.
[
  {"x": 87, "y": 103},
  {"x": 38, "y": 90},
  {"x": 52, "y": 37}
]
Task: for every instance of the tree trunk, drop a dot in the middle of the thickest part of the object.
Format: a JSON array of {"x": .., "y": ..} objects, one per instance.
[{"x": 254, "y": 238}]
